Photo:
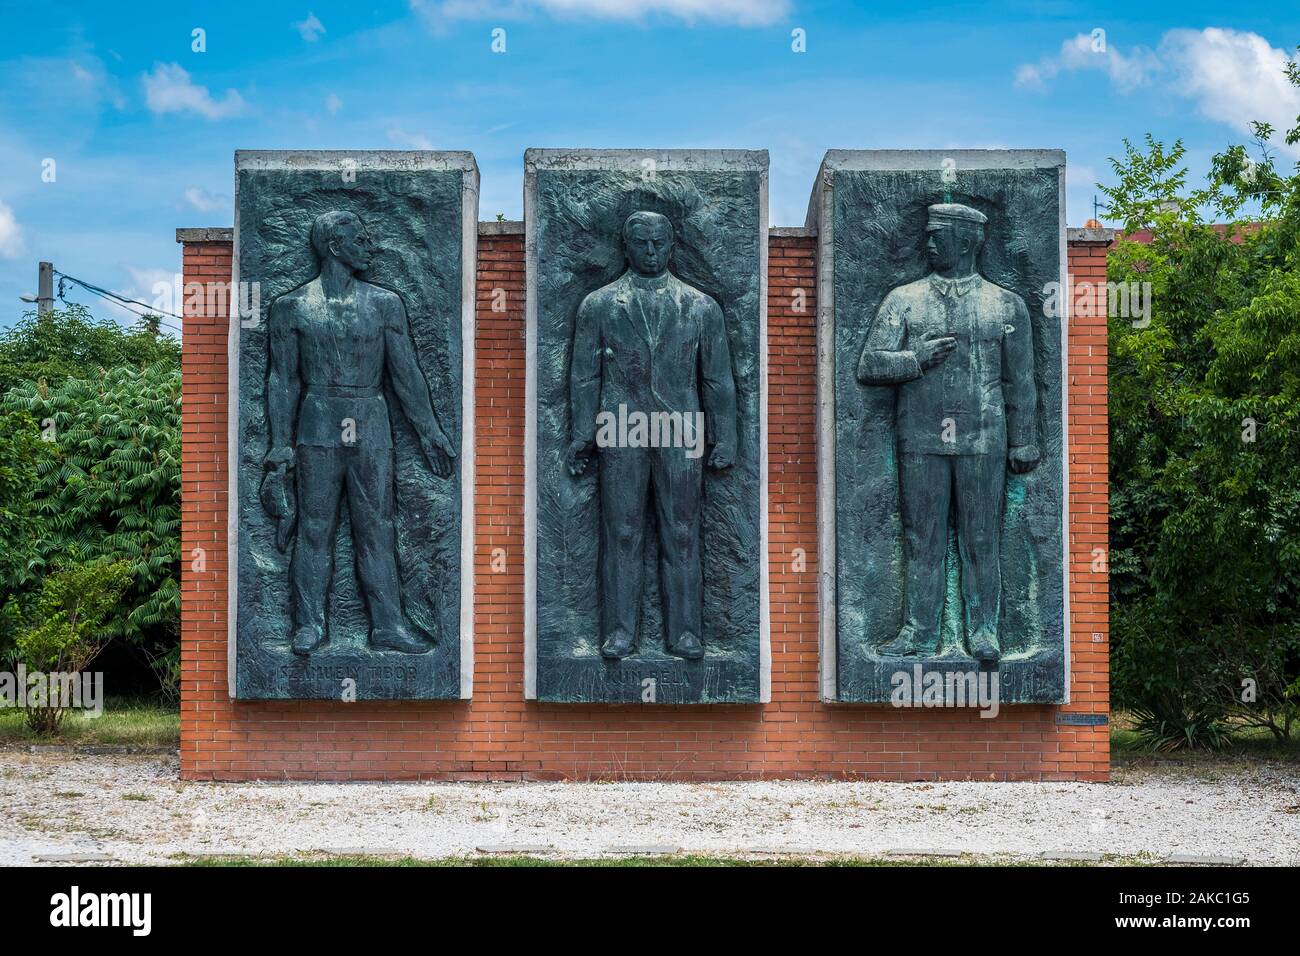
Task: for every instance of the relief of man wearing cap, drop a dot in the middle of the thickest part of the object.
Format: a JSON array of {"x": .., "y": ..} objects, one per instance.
[{"x": 959, "y": 350}]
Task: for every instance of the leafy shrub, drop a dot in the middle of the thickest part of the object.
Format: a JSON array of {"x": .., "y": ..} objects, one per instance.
[
  {"x": 70, "y": 343},
  {"x": 64, "y": 629}
]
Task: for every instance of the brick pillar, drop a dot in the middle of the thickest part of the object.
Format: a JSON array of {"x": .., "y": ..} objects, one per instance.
[
  {"x": 206, "y": 260},
  {"x": 1089, "y": 487},
  {"x": 499, "y": 473}
]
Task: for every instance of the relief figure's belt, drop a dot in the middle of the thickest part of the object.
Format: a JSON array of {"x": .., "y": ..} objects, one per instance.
[{"x": 346, "y": 391}]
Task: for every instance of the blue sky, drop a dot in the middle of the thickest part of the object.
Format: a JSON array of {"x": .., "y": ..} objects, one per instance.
[{"x": 142, "y": 128}]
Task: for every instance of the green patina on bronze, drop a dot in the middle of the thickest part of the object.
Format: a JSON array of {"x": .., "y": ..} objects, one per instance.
[
  {"x": 648, "y": 559},
  {"x": 949, "y": 449},
  {"x": 349, "y": 524}
]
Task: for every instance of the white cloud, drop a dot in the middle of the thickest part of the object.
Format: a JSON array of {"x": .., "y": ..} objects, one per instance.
[
  {"x": 333, "y": 103},
  {"x": 748, "y": 13},
  {"x": 310, "y": 29},
  {"x": 1092, "y": 52},
  {"x": 410, "y": 140},
  {"x": 1234, "y": 77},
  {"x": 169, "y": 89},
  {"x": 11, "y": 234},
  {"x": 93, "y": 82},
  {"x": 155, "y": 288},
  {"x": 204, "y": 201}
]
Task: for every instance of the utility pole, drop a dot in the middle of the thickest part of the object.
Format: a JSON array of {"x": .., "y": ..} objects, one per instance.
[{"x": 45, "y": 288}]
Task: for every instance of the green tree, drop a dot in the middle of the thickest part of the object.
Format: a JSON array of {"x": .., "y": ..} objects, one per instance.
[
  {"x": 1205, "y": 442},
  {"x": 107, "y": 485},
  {"x": 71, "y": 343},
  {"x": 20, "y": 530}
]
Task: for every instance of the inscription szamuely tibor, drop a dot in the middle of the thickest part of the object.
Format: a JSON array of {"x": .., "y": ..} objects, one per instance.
[{"x": 350, "y": 426}]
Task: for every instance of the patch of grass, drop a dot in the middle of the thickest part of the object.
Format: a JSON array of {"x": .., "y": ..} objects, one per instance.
[
  {"x": 125, "y": 721},
  {"x": 1242, "y": 742}
]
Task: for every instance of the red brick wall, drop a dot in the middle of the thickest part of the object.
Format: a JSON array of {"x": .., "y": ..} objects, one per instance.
[{"x": 500, "y": 736}]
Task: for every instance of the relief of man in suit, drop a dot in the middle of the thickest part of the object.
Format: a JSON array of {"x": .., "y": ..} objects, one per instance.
[{"x": 651, "y": 343}]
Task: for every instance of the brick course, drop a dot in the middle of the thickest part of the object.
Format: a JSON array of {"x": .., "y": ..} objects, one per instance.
[{"x": 498, "y": 735}]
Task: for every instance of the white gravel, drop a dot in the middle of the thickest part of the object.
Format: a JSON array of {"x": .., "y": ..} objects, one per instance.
[{"x": 134, "y": 809}]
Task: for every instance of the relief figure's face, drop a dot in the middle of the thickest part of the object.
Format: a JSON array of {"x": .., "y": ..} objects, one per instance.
[
  {"x": 941, "y": 247},
  {"x": 353, "y": 246},
  {"x": 950, "y": 247},
  {"x": 649, "y": 246}
]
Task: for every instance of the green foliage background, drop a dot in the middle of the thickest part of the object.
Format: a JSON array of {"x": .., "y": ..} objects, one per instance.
[
  {"x": 1205, "y": 443},
  {"x": 90, "y": 467}
]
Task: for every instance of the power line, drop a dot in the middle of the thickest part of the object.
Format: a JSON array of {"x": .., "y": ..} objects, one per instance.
[{"x": 120, "y": 300}]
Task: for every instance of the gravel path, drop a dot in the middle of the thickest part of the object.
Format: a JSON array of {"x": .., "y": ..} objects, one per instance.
[{"x": 134, "y": 810}]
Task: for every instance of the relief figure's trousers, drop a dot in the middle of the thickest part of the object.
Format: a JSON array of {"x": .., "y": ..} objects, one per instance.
[
  {"x": 629, "y": 478},
  {"x": 971, "y": 488},
  {"x": 366, "y": 476}
]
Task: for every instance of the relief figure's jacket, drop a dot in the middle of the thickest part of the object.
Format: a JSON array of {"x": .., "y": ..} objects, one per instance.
[
  {"x": 981, "y": 399},
  {"x": 652, "y": 345}
]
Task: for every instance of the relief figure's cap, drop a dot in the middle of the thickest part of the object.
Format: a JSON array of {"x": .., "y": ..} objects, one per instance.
[{"x": 945, "y": 212}]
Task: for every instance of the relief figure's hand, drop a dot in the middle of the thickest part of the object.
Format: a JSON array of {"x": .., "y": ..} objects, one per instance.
[
  {"x": 1022, "y": 459},
  {"x": 722, "y": 457},
  {"x": 279, "y": 456},
  {"x": 439, "y": 452},
  {"x": 933, "y": 349},
  {"x": 579, "y": 456}
]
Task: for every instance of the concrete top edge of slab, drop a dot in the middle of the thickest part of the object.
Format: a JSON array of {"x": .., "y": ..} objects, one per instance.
[
  {"x": 670, "y": 159},
  {"x": 330, "y": 160},
  {"x": 904, "y": 159},
  {"x": 501, "y": 227},
  {"x": 206, "y": 234},
  {"x": 1087, "y": 234}
]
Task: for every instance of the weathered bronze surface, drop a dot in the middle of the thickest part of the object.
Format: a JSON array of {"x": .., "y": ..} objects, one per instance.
[
  {"x": 648, "y": 355},
  {"x": 947, "y": 478},
  {"x": 350, "y": 398}
]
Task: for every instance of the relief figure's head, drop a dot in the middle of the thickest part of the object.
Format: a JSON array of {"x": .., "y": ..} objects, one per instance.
[
  {"x": 342, "y": 236},
  {"x": 954, "y": 235},
  {"x": 648, "y": 240}
]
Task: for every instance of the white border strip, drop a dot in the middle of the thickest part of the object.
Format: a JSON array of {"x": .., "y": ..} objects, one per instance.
[
  {"x": 358, "y": 161},
  {"x": 669, "y": 160},
  {"x": 530, "y": 428},
  {"x": 468, "y": 519},
  {"x": 1067, "y": 289},
  {"x": 821, "y": 215},
  {"x": 232, "y": 455},
  {"x": 764, "y": 502}
]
